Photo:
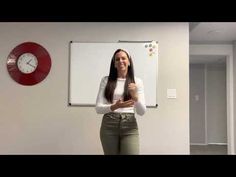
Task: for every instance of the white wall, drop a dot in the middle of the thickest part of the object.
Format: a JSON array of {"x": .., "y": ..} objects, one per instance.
[{"x": 37, "y": 120}]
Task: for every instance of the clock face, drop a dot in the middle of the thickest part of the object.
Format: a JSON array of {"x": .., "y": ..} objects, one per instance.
[{"x": 27, "y": 63}]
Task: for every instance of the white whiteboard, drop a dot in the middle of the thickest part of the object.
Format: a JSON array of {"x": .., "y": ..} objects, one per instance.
[{"x": 89, "y": 62}]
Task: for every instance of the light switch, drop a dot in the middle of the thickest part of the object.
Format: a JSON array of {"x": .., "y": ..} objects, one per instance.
[
  {"x": 171, "y": 93},
  {"x": 196, "y": 97}
]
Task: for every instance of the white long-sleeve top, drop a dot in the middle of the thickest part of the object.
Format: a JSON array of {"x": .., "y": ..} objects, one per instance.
[{"x": 103, "y": 106}]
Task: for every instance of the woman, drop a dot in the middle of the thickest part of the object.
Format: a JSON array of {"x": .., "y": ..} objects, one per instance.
[{"x": 120, "y": 96}]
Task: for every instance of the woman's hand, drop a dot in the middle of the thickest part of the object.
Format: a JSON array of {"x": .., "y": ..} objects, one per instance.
[
  {"x": 133, "y": 90},
  {"x": 122, "y": 104}
]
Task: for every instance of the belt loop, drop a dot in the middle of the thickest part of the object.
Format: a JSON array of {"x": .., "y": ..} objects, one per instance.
[{"x": 122, "y": 116}]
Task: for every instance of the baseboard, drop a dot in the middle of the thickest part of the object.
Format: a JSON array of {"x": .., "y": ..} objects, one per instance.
[
  {"x": 197, "y": 144},
  {"x": 202, "y": 144},
  {"x": 217, "y": 143}
]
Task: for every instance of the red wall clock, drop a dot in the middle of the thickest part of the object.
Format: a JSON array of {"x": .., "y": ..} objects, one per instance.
[{"x": 28, "y": 63}]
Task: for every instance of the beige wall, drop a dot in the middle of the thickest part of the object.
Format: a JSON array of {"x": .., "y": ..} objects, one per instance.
[{"x": 36, "y": 119}]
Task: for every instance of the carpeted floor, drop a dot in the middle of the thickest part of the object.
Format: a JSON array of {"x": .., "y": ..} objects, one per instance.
[{"x": 208, "y": 150}]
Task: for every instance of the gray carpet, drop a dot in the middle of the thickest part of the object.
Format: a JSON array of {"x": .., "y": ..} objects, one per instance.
[{"x": 208, "y": 150}]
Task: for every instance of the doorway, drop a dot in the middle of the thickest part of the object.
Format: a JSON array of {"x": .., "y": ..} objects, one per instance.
[{"x": 208, "y": 105}]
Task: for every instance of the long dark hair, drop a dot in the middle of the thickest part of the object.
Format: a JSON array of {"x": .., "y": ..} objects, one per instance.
[{"x": 112, "y": 78}]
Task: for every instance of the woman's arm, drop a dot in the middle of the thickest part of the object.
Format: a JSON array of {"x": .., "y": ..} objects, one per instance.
[
  {"x": 102, "y": 106},
  {"x": 122, "y": 104},
  {"x": 139, "y": 98}
]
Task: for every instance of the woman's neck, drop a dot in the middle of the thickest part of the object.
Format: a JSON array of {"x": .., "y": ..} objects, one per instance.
[{"x": 122, "y": 74}]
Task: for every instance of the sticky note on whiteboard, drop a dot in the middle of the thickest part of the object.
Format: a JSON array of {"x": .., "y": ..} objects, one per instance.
[{"x": 151, "y": 48}]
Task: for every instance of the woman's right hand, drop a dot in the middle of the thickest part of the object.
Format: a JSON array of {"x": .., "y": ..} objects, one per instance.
[{"x": 122, "y": 104}]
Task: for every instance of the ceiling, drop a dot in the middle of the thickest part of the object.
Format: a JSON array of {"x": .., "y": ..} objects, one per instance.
[{"x": 211, "y": 33}]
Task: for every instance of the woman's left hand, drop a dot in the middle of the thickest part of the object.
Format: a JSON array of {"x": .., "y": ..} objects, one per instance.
[{"x": 133, "y": 90}]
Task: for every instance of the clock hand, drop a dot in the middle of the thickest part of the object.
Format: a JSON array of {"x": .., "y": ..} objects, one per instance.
[
  {"x": 29, "y": 61},
  {"x": 31, "y": 65}
]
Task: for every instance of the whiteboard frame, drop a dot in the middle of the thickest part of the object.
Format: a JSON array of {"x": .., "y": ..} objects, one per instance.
[{"x": 69, "y": 74}]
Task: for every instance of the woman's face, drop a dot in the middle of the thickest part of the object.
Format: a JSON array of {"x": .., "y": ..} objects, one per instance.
[{"x": 121, "y": 61}]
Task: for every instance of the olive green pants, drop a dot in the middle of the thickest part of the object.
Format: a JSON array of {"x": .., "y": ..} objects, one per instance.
[{"x": 119, "y": 134}]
